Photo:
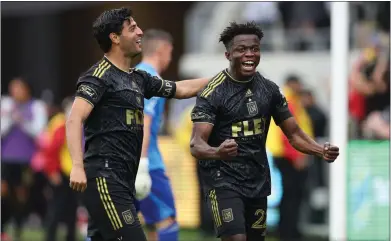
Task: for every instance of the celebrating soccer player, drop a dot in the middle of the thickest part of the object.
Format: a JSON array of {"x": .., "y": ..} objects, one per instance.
[
  {"x": 157, "y": 204},
  {"x": 231, "y": 120},
  {"x": 109, "y": 104}
]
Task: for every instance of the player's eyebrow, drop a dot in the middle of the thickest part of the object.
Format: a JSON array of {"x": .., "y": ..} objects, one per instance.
[
  {"x": 132, "y": 24},
  {"x": 245, "y": 46}
]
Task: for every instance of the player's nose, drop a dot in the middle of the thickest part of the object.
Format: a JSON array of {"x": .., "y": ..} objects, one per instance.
[
  {"x": 248, "y": 53},
  {"x": 139, "y": 32}
]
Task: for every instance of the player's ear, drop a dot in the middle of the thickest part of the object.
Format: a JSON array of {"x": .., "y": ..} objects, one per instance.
[
  {"x": 114, "y": 38},
  {"x": 228, "y": 55}
]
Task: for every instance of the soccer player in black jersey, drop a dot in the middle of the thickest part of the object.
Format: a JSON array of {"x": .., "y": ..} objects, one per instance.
[
  {"x": 109, "y": 103},
  {"x": 230, "y": 125}
]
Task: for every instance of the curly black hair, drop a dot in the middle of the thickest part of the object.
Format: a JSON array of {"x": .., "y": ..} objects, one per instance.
[
  {"x": 235, "y": 29},
  {"x": 110, "y": 21}
]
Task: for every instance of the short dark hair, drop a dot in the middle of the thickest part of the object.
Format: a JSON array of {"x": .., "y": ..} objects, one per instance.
[
  {"x": 110, "y": 21},
  {"x": 235, "y": 29},
  {"x": 154, "y": 34}
]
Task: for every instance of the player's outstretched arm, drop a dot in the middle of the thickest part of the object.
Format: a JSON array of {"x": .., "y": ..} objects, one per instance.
[
  {"x": 305, "y": 144},
  {"x": 189, "y": 88},
  {"x": 81, "y": 109},
  {"x": 201, "y": 150}
]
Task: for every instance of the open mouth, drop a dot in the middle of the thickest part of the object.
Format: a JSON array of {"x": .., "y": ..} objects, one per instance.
[
  {"x": 248, "y": 65},
  {"x": 139, "y": 42}
]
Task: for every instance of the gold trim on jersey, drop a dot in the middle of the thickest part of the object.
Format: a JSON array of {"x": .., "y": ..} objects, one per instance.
[
  {"x": 216, "y": 81},
  {"x": 108, "y": 203},
  {"x": 89, "y": 102},
  {"x": 215, "y": 208},
  {"x": 101, "y": 69},
  {"x": 243, "y": 81}
]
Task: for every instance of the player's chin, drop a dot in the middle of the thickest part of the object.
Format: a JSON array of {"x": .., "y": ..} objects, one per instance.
[
  {"x": 245, "y": 72},
  {"x": 135, "y": 53}
]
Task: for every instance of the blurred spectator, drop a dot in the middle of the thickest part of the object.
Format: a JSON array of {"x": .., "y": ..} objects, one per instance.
[
  {"x": 304, "y": 18},
  {"x": 369, "y": 87},
  {"x": 63, "y": 203},
  {"x": 316, "y": 170},
  {"x": 22, "y": 120},
  {"x": 291, "y": 163},
  {"x": 318, "y": 118},
  {"x": 377, "y": 125},
  {"x": 266, "y": 14}
]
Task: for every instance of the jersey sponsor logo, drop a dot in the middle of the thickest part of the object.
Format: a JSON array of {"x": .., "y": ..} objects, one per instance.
[
  {"x": 88, "y": 91},
  {"x": 134, "y": 117},
  {"x": 228, "y": 215},
  {"x": 252, "y": 108},
  {"x": 128, "y": 217},
  {"x": 248, "y": 127},
  {"x": 200, "y": 116}
]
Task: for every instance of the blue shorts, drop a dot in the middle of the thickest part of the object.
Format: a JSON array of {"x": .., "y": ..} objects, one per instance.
[{"x": 159, "y": 205}]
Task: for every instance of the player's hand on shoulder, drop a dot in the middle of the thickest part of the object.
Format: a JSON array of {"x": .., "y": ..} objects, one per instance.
[
  {"x": 228, "y": 149},
  {"x": 78, "y": 179},
  {"x": 330, "y": 152}
]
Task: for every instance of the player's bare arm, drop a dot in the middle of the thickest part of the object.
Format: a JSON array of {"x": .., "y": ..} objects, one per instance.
[
  {"x": 189, "y": 88},
  {"x": 81, "y": 109},
  {"x": 305, "y": 144},
  {"x": 201, "y": 150}
]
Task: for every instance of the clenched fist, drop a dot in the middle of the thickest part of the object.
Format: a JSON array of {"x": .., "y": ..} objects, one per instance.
[
  {"x": 228, "y": 149},
  {"x": 78, "y": 179},
  {"x": 330, "y": 152}
]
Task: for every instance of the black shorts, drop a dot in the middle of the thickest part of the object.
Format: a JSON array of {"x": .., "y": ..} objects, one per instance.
[
  {"x": 234, "y": 214},
  {"x": 110, "y": 205}
]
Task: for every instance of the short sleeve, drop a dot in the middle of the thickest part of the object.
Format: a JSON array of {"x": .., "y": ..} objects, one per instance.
[
  {"x": 156, "y": 86},
  {"x": 204, "y": 111},
  {"x": 280, "y": 109},
  {"x": 90, "y": 89}
]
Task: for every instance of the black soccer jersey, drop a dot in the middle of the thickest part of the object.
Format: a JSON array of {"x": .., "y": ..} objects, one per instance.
[
  {"x": 240, "y": 111},
  {"x": 114, "y": 129}
]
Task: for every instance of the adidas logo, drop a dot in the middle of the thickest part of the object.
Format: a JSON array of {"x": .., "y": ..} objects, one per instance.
[{"x": 249, "y": 93}]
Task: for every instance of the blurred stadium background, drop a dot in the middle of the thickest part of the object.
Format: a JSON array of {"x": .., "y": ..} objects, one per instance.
[{"x": 50, "y": 43}]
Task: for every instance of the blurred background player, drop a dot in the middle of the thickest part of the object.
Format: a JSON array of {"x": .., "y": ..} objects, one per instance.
[
  {"x": 22, "y": 120},
  {"x": 63, "y": 203},
  {"x": 158, "y": 208}
]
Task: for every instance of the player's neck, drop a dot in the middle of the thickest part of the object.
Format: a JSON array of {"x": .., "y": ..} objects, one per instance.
[
  {"x": 118, "y": 60},
  {"x": 154, "y": 62},
  {"x": 232, "y": 73}
]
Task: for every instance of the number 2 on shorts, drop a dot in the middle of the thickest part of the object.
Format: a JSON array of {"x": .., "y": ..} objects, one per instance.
[{"x": 261, "y": 222}]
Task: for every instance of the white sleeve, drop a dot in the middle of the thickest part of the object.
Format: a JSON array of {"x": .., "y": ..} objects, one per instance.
[
  {"x": 6, "y": 120},
  {"x": 39, "y": 121}
]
